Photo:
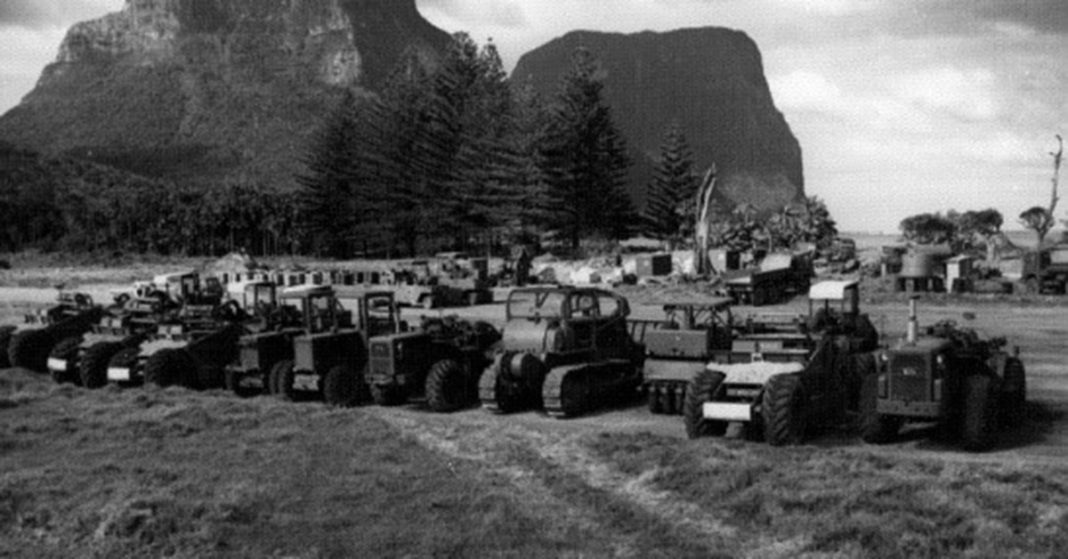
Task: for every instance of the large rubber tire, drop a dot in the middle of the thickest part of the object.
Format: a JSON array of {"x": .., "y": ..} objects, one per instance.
[
  {"x": 703, "y": 388},
  {"x": 1014, "y": 393},
  {"x": 446, "y": 386},
  {"x": 5, "y": 340},
  {"x": 67, "y": 350},
  {"x": 170, "y": 367},
  {"x": 209, "y": 376},
  {"x": 783, "y": 410},
  {"x": 653, "y": 399},
  {"x": 93, "y": 366},
  {"x": 980, "y": 413},
  {"x": 124, "y": 358},
  {"x": 387, "y": 395},
  {"x": 29, "y": 349},
  {"x": 232, "y": 379},
  {"x": 340, "y": 387},
  {"x": 282, "y": 378}
]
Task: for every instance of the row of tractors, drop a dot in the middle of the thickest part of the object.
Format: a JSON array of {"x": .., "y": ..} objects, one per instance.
[{"x": 565, "y": 350}]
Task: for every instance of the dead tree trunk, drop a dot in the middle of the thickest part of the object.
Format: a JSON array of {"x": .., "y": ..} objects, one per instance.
[{"x": 701, "y": 227}]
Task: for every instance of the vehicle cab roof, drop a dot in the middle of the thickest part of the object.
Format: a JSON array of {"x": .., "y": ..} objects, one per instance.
[{"x": 832, "y": 290}]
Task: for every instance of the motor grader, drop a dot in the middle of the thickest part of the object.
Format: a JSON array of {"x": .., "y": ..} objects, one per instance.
[
  {"x": 690, "y": 336},
  {"x": 441, "y": 361},
  {"x": 28, "y": 346},
  {"x": 782, "y": 379},
  {"x": 950, "y": 376},
  {"x": 564, "y": 349},
  {"x": 326, "y": 356}
]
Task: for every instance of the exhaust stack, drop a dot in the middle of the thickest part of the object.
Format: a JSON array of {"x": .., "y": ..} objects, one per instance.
[{"x": 914, "y": 325}]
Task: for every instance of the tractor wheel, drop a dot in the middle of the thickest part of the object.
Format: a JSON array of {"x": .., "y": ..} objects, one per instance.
[
  {"x": 282, "y": 380},
  {"x": 210, "y": 376},
  {"x": 232, "y": 379},
  {"x": 29, "y": 349},
  {"x": 654, "y": 399},
  {"x": 703, "y": 388},
  {"x": 170, "y": 367},
  {"x": 124, "y": 358},
  {"x": 1013, "y": 393},
  {"x": 5, "y": 340},
  {"x": 783, "y": 408},
  {"x": 446, "y": 386},
  {"x": 340, "y": 387},
  {"x": 387, "y": 395},
  {"x": 93, "y": 366},
  {"x": 876, "y": 428},
  {"x": 980, "y": 413},
  {"x": 667, "y": 401},
  {"x": 679, "y": 391},
  {"x": 66, "y": 350}
]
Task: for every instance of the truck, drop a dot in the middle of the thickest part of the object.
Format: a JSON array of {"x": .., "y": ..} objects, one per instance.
[
  {"x": 691, "y": 335},
  {"x": 779, "y": 275},
  {"x": 782, "y": 379},
  {"x": 1045, "y": 270},
  {"x": 565, "y": 349},
  {"x": 950, "y": 376},
  {"x": 440, "y": 362}
]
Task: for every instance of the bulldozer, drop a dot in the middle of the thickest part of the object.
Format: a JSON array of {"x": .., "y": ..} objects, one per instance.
[
  {"x": 690, "y": 336},
  {"x": 782, "y": 379},
  {"x": 950, "y": 376},
  {"x": 564, "y": 349},
  {"x": 29, "y": 346},
  {"x": 440, "y": 361}
]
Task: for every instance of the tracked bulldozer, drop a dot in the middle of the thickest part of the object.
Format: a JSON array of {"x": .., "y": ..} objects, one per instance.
[{"x": 566, "y": 350}]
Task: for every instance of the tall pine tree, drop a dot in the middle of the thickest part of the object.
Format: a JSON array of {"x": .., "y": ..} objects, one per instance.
[
  {"x": 586, "y": 159},
  {"x": 671, "y": 189}
]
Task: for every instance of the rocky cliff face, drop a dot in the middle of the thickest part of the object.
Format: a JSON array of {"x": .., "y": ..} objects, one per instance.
[
  {"x": 209, "y": 90},
  {"x": 711, "y": 82}
]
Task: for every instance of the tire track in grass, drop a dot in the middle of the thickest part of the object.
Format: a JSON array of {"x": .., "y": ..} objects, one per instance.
[{"x": 558, "y": 469}]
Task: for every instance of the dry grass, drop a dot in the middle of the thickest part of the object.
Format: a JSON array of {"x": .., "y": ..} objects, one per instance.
[{"x": 850, "y": 503}]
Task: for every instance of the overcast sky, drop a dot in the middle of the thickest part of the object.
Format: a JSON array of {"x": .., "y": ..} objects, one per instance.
[{"x": 901, "y": 106}]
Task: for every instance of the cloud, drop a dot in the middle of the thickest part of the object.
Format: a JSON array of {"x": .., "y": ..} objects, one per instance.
[
  {"x": 493, "y": 13},
  {"x": 832, "y": 7},
  {"x": 966, "y": 94}
]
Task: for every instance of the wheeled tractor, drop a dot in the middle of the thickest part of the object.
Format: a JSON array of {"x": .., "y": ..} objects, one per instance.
[{"x": 29, "y": 346}]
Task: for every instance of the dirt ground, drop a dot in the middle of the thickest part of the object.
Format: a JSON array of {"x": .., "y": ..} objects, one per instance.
[{"x": 620, "y": 482}]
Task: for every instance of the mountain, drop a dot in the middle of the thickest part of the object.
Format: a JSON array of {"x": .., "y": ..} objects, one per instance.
[
  {"x": 708, "y": 80},
  {"x": 203, "y": 91}
]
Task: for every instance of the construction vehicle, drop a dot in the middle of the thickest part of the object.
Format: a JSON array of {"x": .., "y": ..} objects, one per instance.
[
  {"x": 1045, "y": 270},
  {"x": 690, "y": 336},
  {"x": 325, "y": 356},
  {"x": 83, "y": 360},
  {"x": 329, "y": 353},
  {"x": 950, "y": 376},
  {"x": 441, "y": 362},
  {"x": 783, "y": 378},
  {"x": 28, "y": 346},
  {"x": 189, "y": 351},
  {"x": 779, "y": 275},
  {"x": 564, "y": 349}
]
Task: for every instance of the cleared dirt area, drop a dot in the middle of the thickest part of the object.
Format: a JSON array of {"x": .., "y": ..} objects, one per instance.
[{"x": 138, "y": 472}]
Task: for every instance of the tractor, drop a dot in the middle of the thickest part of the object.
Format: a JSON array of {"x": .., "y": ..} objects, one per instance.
[
  {"x": 949, "y": 376},
  {"x": 30, "y": 345},
  {"x": 690, "y": 336},
  {"x": 564, "y": 349},
  {"x": 324, "y": 356},
  {"x": 780, "y": 379},
  {"x": 190, "y": 350},
  {"x": 441, "y": 361},
  {"x": 83, "y": 360}
]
